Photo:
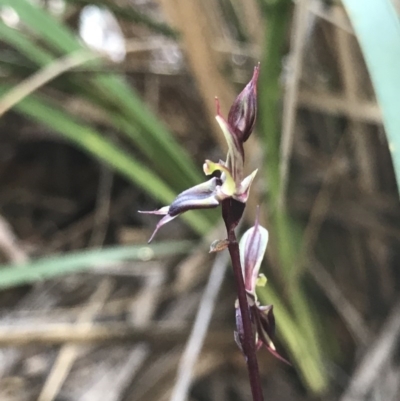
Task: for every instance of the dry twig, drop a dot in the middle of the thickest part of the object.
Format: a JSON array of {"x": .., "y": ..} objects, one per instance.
[
  {"x": 70, "y": 352},
  {"x": 9, "y": 244},
  {"x": 200, "y": 328}
]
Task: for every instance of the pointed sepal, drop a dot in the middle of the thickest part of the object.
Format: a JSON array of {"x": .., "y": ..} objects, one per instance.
[
  {"x": 244, "y": 189},
  {"x": 202, "y": 196}
]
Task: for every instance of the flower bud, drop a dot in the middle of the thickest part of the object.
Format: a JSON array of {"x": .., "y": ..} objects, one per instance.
[
  {"x": 252, "y": 249},
  {"x": 242, "y": 115}
]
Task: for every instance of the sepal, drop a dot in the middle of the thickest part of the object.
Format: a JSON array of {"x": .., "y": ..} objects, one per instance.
[
  {"x": 253, "y": 245},
  {"x": 202, "y": 196}
]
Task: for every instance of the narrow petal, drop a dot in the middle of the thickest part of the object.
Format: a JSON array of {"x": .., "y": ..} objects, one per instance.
[
  {"x": 166, "y": 219},
  {"x": 163, "y": 211},
  {"x": 277, "y": 355}
]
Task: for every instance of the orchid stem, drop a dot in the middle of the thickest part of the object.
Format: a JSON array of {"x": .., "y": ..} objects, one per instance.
[{"x": 248, "y": 343}]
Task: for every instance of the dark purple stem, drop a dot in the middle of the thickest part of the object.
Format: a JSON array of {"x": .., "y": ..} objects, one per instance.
[{"x": 248, "y": 343}]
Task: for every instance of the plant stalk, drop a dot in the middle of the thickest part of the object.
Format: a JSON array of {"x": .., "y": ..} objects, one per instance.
[{"x": 248, "y": 343}]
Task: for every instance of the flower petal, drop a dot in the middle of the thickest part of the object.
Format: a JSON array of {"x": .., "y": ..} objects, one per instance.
[
  {"x": 166, "y": 219},
  {"x": 244, "y": 189},
  {"x": 202, "y": 196},
  {"x": 163, "y": 211},
  {"x": 253, "y": 245}
]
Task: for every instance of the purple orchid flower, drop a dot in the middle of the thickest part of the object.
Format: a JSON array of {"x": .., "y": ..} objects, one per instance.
[
  {"x": 231, "y": 182},
  {"x": 252, "y": 249}
]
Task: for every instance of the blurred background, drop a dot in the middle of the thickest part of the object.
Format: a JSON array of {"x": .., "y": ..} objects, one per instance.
[{"x": 107, "y": 107}]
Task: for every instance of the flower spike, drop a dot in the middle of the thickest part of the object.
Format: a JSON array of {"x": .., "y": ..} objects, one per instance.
[
  {"x": 230, "y": 183},
  {"x": 252, "y": 249}
]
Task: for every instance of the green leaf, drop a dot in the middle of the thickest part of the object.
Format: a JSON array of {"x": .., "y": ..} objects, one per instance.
[
  {"x": 24, "y": 45},
  {"x": 119, "y": 102},
  {"x": 114, "y": 90},
  {"x": 55, "y": 266},
  {"x": 377, "y": 28},
  {"x": 306, "y": 344},
  {"x": 102, "y": 148}
]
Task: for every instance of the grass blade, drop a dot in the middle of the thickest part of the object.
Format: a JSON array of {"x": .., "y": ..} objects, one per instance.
[
  {"x": 377, "y": 27},
  {"x": 74, "y": 262},
  {"x": 302, "y": 319},
  {"x": 91, "y": 141},
  {"x": 114, "y": 90}
]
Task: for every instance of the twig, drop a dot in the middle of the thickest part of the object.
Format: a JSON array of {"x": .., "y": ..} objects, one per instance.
[
  {"x": 336, "y": 105},
  {"x": 291, "y": 96},
  {"x": 370, "y": 367},
  {"x": 199, "y": 330},
  {"x": 317, "y": 216},
  {"x": 317, "y": 8},
  {"x": 192, "y": 19},
  {"x": 101, "y": 215},
  {"x": 110, "y": 379},
  {"x": 345, "y": 309},
  {"x": 9, "y": 244},
  {"x": 161, "y": 335},
  {"x": 70, "y": 352}
]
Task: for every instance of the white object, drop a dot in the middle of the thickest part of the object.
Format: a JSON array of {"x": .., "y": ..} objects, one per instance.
[{"x": 100, "y": 30}]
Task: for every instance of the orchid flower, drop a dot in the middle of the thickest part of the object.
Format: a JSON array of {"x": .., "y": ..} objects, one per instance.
[
  {"x": 230, "y": 181},
  {"x": 252, "y": 249}
]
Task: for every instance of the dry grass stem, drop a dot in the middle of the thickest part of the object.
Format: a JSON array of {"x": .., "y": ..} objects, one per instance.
[
  {"x": 337, "y": 105},
  {"x": 9, "y": 244},
  {"x": 200, "y": 328},
  {"x": 69, "y": 352},
  {"x": 43, "y": 76},
  {"x": 298, "y": 39}
]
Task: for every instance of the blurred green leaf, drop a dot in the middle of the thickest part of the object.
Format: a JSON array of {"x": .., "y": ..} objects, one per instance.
[
  {"x": 298, "y": 317},
  {"x": 377, "y": 28},
  {"x": 120, "y": 103},
  {"x": 73, "y": 262},
  {"x": 102, "y": 148},
  {"x": 24, "y": 45},
  {"x": 150, "y": 135}
]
